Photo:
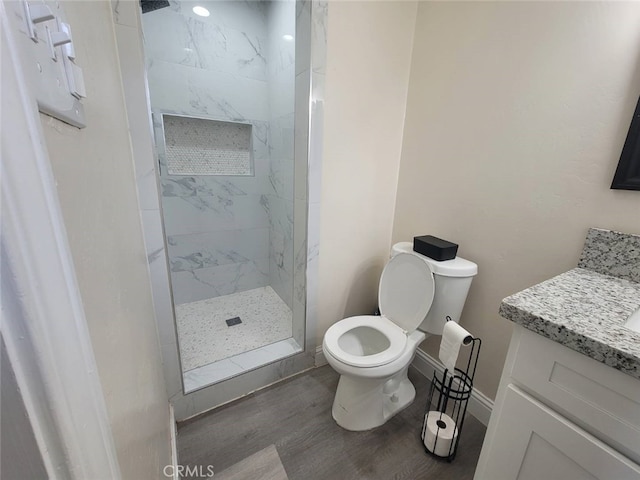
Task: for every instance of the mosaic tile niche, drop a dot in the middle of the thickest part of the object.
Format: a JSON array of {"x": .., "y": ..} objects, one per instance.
[{"x": 197, "y": 146}]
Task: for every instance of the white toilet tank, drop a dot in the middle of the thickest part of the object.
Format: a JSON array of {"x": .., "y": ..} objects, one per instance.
[{"x": 452, "y": 281}]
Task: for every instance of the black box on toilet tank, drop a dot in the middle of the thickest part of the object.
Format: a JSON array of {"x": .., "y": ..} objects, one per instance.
[{"x": 434, "y": 247}]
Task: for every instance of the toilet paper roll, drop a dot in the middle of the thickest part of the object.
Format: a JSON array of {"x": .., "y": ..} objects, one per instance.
[
  {"x": 453, "y": 335},
  {"x": 440, "y": 433}
]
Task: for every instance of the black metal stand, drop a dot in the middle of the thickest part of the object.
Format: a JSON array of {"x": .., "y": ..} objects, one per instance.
[{"x": 447, "y": 405}]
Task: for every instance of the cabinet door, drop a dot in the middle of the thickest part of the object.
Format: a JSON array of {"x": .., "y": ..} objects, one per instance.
[
  {"x": 596, "y": 397},
  {"x": 533, "y": 442}
]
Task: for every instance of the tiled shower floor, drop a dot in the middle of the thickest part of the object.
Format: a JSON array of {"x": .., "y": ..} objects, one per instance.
[{"x": 208, "y": 346}]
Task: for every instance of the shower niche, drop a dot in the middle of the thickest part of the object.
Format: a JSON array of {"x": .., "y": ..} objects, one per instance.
[{"x": 199, "y": 146}]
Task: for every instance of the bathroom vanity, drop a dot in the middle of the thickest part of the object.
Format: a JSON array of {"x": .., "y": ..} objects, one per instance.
[{"x": 568, "y": 405}]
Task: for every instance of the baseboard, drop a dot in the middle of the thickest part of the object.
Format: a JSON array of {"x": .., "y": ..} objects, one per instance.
[
  {"x": 174, "y": 444},
  {"x": 319, "y": 359},
  {"x": 480, "y": 406}
]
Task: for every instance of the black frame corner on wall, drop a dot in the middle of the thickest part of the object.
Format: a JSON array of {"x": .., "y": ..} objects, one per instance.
[{"x": 627, "y": 176}]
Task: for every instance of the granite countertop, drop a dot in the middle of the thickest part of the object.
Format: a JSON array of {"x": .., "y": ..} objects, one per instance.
[{"x": 585, "y": 308}]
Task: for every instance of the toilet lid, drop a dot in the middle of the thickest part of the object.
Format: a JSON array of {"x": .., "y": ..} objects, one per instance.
[{"x": 406, "y": 291}]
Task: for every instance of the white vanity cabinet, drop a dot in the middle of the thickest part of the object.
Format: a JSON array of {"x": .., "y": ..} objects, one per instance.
[{"x": 561, "y": 415}]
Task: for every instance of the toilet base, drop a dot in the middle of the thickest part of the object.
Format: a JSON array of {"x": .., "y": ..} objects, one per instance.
[{"x": 366, "y": 403}]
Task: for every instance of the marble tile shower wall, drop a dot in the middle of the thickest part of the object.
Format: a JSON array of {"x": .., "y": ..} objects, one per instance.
[
  {"x": 281, "y": 78},
  {"x": 310, "y": 73},
  {"x": 224, "y": 234},
  {"x": 310, "y": 82}
]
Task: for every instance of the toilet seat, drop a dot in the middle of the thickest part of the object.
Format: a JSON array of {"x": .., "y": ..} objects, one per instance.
[
  {"x": 395, "y": 335},
  {"x": 405, "y": 295}
]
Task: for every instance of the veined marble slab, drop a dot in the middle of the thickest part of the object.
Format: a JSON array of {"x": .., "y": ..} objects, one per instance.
[
  {"x": 206, "y": 283},
  {"x": 210, "y": 249}
]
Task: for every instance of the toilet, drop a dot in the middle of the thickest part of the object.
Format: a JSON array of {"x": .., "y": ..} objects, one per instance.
[{"x": 416, "y": 296}]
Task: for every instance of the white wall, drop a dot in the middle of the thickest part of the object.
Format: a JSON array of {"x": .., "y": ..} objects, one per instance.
[
  {"x": 516, "y": 117},
  {"x": 93, "y": 168},
  {"x": 368, "y": 58},
  {"x": 20, "y": 455}
]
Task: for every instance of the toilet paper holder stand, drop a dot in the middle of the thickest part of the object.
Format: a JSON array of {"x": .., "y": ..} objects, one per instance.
[{"x": 448, "y": 397}]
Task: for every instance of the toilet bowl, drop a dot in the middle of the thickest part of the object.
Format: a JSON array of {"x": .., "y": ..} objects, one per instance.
[{"x": 372, "y": 353}]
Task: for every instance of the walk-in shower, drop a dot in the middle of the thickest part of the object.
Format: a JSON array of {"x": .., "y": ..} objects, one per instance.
[{"x": 222, "y": 90}]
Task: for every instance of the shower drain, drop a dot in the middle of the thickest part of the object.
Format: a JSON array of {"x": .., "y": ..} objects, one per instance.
[{"x": 233, "y": 321}]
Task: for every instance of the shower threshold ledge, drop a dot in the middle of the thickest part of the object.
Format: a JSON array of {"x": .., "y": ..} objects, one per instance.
[{"x": 230, "y": 367}]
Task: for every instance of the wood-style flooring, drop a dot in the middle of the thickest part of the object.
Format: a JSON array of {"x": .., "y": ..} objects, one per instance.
[{"x": 295, "y": 416}]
